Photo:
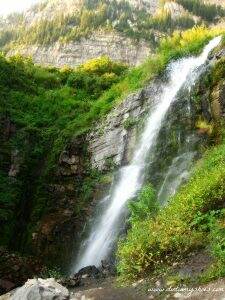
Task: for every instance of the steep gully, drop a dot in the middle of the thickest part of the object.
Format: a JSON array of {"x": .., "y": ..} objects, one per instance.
[{"x": 110, "y": 214}]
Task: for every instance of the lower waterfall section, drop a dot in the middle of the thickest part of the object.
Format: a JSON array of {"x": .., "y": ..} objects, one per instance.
[{"x": 106, "y": 227}]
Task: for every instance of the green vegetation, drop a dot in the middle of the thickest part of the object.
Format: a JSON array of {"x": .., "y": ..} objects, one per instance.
[
  {"x": 52, "y": 273},
  {"x": 193, "y": 219},
  {"x": 178, "y": 45},
  {"x": 104, "y": 15},
  {"x": 218, "y": 73},
  {"x": 9, "y": 198},
  {"x": 144, "y": 206},
  {"x": 130, "y": 122},
  {"x": 217, "y": 246},
  {"x": 94, "y": 15},
  {"x": 178, "y": 228},
  {"x": 208, "y": 12},
  {"x": 42, "y": 109},
  {"x": 203, "y": 126},
  {"x": 44, "y": 106}
]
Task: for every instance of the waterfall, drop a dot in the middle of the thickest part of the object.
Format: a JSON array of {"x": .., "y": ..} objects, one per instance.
[
  {"x": 178, "y": 170},
  {"x": 182, "y": 73}
]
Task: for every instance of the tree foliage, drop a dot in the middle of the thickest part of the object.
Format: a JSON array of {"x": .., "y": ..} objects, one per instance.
[
  {"x": 209, "y": 12},
  {"x": 47, "y": 106},
  {"x": 119, "y": 16}
]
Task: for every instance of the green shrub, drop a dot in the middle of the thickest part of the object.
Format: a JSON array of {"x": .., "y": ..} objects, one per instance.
[
  {"x": 9, "y": 196},
  {"x": 173, "y": 232},
  {"x": 55, "y": 273},
  {"x": 145, "y": 206},
  {"x": 217, "y": 238},
  {"x": 47, "y": 106},
  {"x": 218, "y": 72},
  {"x": 96, "y": 76},
  {"x": 130, "y": 122},
  {"x": 213, "y": 223}
]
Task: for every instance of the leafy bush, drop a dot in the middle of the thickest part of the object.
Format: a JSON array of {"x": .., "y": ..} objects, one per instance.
[
  {"x": 145, "y": 206},
  {"x": 96, "y": 76},
  {"x": 213, "y": 224},
  {"x": 45, "y": 105},
  {"x": 174, "y": 232},
  {"x": 218, "y": 72},
  {"x": 9, "y": 195},
  {"x": 130, "y": 122},
  {"x": 217, "y": 238},
  {"x": 55, "y": 273}
]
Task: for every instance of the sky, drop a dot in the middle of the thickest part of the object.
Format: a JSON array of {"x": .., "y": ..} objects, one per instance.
[{"x": 9, "y": 6}]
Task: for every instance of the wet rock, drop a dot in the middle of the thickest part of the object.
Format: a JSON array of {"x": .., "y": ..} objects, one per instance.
[
  {"x": 107, "y": 268},
  {"x": 111, "y": 143},
  {"x": 70, "y": 163},
  {"x": 71, "y": 282},
  {"x": 89, "y": 271},
  {"x": 109, "y": 292},
  {"x": 218, "y": 101},
  {"x": 41, "y": 289}
]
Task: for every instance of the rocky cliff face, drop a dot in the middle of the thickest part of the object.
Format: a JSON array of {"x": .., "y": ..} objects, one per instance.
[
  {"x": 113, "y": 45},
  {"x": 110, "y": 38},
  {"x": 112, "y": 142},
  {"x": 82, "y": 175}
]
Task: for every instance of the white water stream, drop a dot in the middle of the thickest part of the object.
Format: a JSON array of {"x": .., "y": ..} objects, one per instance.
[{"x": 183, "y": 72}]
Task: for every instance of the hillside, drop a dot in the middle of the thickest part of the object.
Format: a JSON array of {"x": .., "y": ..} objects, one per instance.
[
  {"x": 112, "y": 150},
  {"x": 63, "y": 32}
]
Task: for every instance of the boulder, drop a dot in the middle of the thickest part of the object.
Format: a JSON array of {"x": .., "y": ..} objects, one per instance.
[
  {"x": 41, "y": 289},
  {"x": 89, "y": 271},
  {"x": 71, "y": 282},
  {"x": 108, "y": 268}
]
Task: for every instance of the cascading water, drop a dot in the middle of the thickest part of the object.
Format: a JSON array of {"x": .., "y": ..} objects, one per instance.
[
  {"x": 178, "y": 171},
  {"x": 103, "y": 235}
]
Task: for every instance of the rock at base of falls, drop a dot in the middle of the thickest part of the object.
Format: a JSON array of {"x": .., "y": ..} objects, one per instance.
[
  {"x": 41, "y": 289},
  {"x": 90, "y": 275},
  {"x": 89, "y": 271}
]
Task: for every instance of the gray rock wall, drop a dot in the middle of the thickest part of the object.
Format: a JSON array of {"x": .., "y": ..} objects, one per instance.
[
  {"x": 113, "y": 141},
  {"x": 115, "y": 46}
]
